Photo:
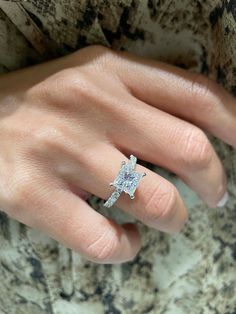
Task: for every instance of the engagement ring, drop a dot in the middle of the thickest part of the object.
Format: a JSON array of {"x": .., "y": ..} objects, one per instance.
[{"x": 126, "y": 181}]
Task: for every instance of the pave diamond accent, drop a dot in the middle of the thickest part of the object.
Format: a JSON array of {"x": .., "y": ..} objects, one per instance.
[
  {"x": 112, "y": 199},
  {"x": 126, "y": 181},
  {"x": 132, "y": 162}
]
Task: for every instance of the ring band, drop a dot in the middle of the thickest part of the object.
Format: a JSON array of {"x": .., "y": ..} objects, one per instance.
[{"x": 126, "y": 181}]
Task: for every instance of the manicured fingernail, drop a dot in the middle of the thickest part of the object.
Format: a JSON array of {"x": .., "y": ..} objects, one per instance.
[{"x": 224, "y": 200}]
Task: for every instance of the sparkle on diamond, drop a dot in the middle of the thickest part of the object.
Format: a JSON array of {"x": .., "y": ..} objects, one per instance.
[{"x": 127, "y": 180}]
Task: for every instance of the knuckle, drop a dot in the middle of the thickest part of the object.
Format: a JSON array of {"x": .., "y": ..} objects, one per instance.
[
  {"x": 23, "y": 193},
  {"x": 105, "y": 53},
  {"x": 80, "y": 88},
  {"x": 105, "y": 58},
  {"x": 104, "y": 247},
  {"x": 84, "y": 91},
  {"x": 200, "y": 86},
  {"x": 49, "y": 137},
  {"x": 72, "y": 83},
  {"x": 162, "y": 203},
  {"x": 202, "y": 91},
  {"x": 44, "y": 90},
  {"x": 64, "y": 88},
  {"x": 197, "y": 152},
  {"x": 71, "y": 80}
]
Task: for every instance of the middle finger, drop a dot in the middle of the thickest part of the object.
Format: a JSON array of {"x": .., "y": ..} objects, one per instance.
[{"x": 172, "y": 143}]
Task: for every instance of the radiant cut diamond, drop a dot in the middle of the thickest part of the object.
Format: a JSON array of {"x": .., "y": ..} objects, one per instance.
[{"x": 126, "y": 181}]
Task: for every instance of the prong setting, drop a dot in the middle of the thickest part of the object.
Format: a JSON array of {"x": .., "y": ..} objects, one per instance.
[{"x": 126, "y": 181}]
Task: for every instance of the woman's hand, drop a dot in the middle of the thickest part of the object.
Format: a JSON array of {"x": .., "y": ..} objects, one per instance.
[{"x": 66, "y": 125}]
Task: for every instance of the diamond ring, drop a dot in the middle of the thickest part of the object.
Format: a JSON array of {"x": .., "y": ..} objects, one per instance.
[{"x": 126, "y": 181}]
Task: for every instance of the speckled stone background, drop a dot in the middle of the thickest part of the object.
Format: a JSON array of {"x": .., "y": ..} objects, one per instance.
[{"x": 193, "y": 272}]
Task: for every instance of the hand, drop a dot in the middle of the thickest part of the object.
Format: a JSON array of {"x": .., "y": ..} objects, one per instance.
[{"x": 66, "y": 125}]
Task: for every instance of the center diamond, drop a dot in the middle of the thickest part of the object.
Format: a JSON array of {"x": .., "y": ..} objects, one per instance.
[{"x": 127, "y": 180}]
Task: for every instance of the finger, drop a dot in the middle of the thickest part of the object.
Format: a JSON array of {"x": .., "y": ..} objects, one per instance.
[
  {"x": 183, "y": 93},
  {"x": 174, "y": 144},
  {"x": 157, "y": 202},
  {"x": 57, "y": 211},
  {"x": 84, "y": 195}
]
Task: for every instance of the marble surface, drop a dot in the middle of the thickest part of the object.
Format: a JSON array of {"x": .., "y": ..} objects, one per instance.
[{"x": 193, "y": 272}]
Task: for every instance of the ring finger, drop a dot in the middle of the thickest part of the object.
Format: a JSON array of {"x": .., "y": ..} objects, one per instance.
[{"x": 157, "y": 202}]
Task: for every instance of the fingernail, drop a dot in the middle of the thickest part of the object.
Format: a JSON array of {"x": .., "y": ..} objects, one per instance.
[{"x": 224, "y": 200}]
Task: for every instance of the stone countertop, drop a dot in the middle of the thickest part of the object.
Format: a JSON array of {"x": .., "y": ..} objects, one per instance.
[{"x": 190, "y": 272}]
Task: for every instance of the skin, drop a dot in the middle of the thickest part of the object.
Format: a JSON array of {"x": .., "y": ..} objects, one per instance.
[{"x": 66, "y": 126}]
